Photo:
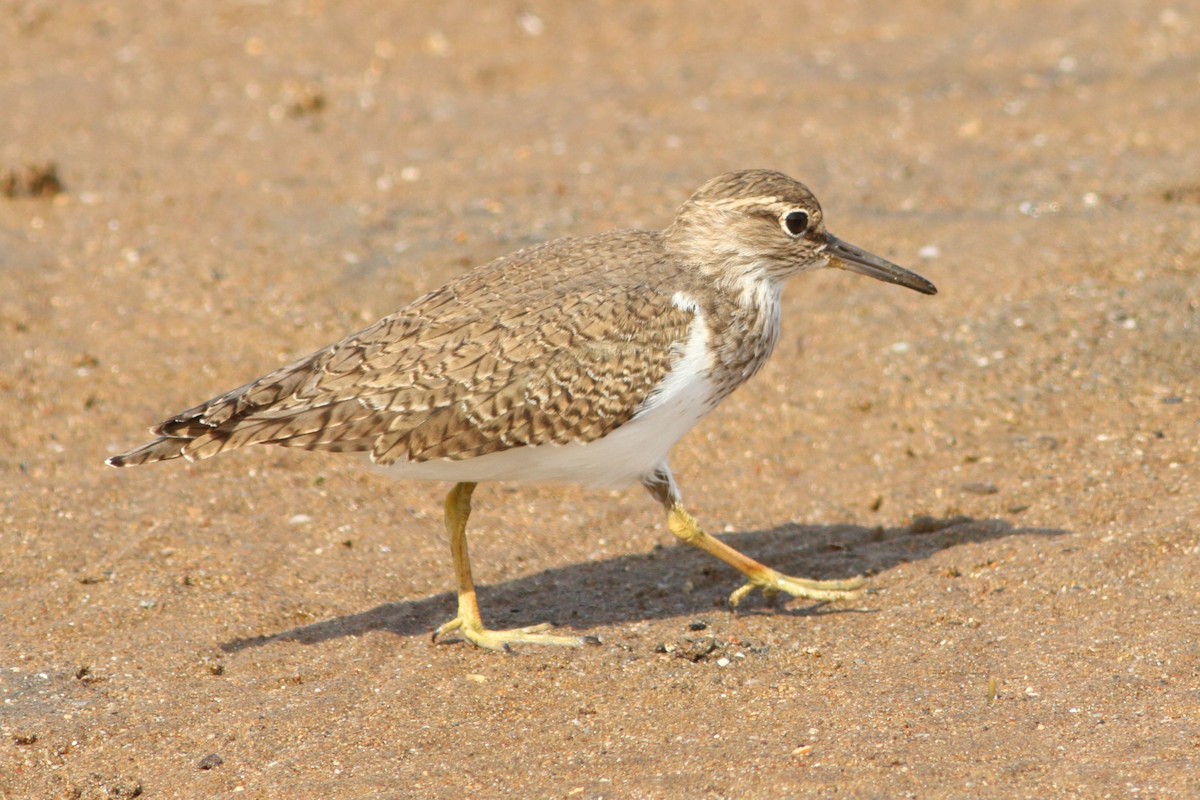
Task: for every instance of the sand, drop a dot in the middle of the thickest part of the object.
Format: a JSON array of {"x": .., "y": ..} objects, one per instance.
[{"x": 1014, "y": 462}]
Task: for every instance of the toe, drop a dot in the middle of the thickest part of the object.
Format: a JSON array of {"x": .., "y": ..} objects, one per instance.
[{"x": 504, "y": 639}]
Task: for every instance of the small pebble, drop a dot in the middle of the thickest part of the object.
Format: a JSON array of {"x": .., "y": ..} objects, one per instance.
[
  {"x": 981, "y": 488},
  {"x": 927, "y": 524},
  {"x": 722, "y": 662},
  {"x": 210, "y": 761}
]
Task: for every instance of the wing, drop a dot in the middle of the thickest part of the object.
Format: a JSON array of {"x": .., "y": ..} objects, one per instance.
[{"x": 512, "y": 355}]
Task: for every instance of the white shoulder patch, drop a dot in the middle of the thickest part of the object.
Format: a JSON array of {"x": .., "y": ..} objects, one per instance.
[{"x": 691, "y": 364}]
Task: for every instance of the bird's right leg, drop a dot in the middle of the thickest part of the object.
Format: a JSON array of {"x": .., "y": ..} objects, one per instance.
[{"x": 661, "y": 486}]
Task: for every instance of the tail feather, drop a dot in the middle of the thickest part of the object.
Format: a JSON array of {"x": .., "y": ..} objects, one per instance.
[
  {"x": 161, "y": 449},
  {"x": 341, "y": 426},
  {"x": 234, "y": 419}
]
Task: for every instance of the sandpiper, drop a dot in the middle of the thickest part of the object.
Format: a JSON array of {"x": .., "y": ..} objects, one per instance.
[{"x": 579, "y": 360}]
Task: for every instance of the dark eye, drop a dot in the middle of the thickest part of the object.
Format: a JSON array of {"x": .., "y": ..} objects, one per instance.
[{"x": 795, "y": 223}]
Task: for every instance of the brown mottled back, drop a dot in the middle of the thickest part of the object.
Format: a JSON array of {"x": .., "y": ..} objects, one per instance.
[{"x": 557, "y": 343}]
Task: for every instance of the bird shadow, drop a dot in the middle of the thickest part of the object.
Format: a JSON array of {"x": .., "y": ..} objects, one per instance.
[{"x": 667, "y": 582}]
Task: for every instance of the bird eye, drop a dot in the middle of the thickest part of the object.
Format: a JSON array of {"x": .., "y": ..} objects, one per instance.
[{"x": 795, "y": 223}]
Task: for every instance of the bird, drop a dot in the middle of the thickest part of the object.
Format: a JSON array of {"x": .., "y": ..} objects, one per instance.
[{"x": 578, "y": 360}]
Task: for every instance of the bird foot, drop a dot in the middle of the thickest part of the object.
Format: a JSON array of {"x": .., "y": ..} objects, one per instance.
[
  {"x": 476, "y": 634},
  {"x": 772, "y": 583}
]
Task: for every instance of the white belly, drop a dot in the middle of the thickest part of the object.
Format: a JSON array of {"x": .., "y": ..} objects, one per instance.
[{"x": 620, "y": 458}]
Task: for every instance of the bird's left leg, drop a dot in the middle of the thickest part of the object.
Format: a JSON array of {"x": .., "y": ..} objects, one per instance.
[
  {"x": 469, "y": 623},
  {"x": 661, "y": 486}
]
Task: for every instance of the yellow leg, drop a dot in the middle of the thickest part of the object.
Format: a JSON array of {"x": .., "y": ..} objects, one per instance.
[
  {"x": 758, "y": 576},
  {"x": 469, "y": 623}
]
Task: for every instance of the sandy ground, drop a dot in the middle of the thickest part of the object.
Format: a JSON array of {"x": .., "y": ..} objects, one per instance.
[{"x": 1014, "y": 462}]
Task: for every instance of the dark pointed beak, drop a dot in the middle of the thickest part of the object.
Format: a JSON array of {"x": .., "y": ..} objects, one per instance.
[{"x": 844, "y": 255}]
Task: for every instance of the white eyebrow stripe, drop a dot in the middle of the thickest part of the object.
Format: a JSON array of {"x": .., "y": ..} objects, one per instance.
[
  {"x": 773, "y": 204},
  {"x": 740, "y": 202}
]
